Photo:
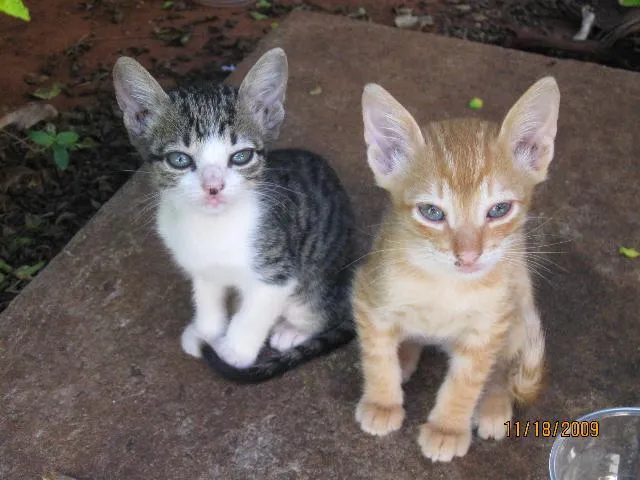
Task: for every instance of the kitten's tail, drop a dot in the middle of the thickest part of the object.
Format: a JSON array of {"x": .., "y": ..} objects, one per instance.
[
  {"x": 319, "y": 345},
  {"x": 528, "y": 369}
]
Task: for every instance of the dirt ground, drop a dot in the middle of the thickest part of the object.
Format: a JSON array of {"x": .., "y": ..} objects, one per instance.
[{"x": 68, "y": 49}]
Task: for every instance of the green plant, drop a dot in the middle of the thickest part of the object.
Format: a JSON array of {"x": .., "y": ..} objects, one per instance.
[
  {"x": 60, "y": 143},
  {"x": 15, "y": 8}
]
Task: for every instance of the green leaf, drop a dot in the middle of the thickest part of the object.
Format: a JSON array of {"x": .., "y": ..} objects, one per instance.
[
  {"x": 263, "y": 4},
  {"x": 48, "y": 93},
  {"x": 15, "y": 8},
  {"x": 629, "y": 252},
  {"x": 476, "y": 103},
  {"x": 61, "y": 156},
  {"x": 167, "y": 5},
  {"x": 630, "y": 3},
  {"x": 5, "y": 267},
  {"x": 41, "y": 137},
  {"x": 258, "y": 15},
  {"x": 26, "y": 272},
  {"x": 67, "y": 138}
]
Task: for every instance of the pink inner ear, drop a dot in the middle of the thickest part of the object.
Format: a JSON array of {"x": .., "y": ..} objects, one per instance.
[{"x": 527, "y": 153}]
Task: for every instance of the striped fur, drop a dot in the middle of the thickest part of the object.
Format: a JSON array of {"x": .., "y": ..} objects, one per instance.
[
  {"x": 277, "y": 231},
  {"x": 449, "y": 269}
]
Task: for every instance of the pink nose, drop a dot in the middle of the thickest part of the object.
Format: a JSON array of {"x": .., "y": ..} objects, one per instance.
[
  {"x": 213, "y": 187},
  {"x": 468, "y": 257}
]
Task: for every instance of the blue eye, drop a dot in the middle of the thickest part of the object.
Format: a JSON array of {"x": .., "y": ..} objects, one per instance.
[
  {"x": 179, "y": 160},
  {"x": 431, "y": 212},
  {"x": 242, "y": 157},
  {"x": 499, "y": 210}
]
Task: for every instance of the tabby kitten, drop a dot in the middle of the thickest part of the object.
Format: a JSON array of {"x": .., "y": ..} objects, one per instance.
[
  {"x": 448, "y": 266},
  {"x": 275, "y": 229}
]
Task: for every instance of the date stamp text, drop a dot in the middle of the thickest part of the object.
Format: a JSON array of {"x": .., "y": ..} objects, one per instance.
[{"x": 552, "y": 428}]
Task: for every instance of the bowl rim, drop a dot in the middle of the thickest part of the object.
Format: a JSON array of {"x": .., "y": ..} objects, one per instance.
[{"x": 608, "y": 412}]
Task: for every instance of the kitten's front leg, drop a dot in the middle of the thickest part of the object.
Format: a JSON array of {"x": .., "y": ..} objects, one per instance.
[
  {"x": 447, "y": 432},
  {"x": 380, "y": 410},
  {"x": 210, "y": 318},
  {"x": 262, "y": 306}
]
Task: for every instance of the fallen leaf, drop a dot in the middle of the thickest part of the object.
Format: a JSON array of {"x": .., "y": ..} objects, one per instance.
[
  {"x": 361, "y": 12},
  {"x": 406, "y": 21},
  {"x": 86, "y": 142},
  {"x": 476, "y": 103},
  {"x": 629, "y": 252},
  {"x": 48, "y": 93},
  {"x": 26, "y": 272},
  {"x": 27, "y": 116},
  {"x": 167, "y": 5},
  {"x": 258, "y": 15},
  {"x": 316, "y": 90},
  {"x": 32, "y": 221},
  {"x": 274, "y": 25}
]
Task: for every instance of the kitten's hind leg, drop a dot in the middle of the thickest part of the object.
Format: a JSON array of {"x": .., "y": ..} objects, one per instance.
[
  {"x": 300, "y": 324},
  {"x": 495, "y": 408}
]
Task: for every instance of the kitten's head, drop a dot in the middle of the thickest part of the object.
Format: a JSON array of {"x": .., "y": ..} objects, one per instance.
[
  {"x": 205, "y": 144},
  {"x": 461, "y": 188}
]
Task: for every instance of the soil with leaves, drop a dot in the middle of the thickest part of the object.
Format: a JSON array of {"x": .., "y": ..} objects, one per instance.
[{"x": 57, "y": 170}]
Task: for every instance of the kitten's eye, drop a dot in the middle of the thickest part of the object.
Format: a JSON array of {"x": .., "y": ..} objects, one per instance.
[
  {"x": 431, "y": 212},
  {"x": 499, "y": 210},
  {"x": 242, "y": 157},
  {"x": 179, "y": 160}
]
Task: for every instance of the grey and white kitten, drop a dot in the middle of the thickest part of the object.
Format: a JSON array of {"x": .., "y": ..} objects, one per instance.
[{"x": 276, "y": 227}]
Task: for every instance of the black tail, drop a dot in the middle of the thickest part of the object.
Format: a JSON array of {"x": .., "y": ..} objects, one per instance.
[{"x": 322, "y": 344}]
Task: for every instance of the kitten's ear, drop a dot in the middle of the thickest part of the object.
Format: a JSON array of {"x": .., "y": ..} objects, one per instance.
[
  {"x": 529, "y": 129},
  {"x": 139, "y": 95},
  {"x": 391, "y": 134},
  {"x": 262, "y": 92}
]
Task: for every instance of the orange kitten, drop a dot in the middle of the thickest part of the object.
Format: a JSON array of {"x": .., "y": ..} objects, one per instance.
[{"x": 449, "y": 267}]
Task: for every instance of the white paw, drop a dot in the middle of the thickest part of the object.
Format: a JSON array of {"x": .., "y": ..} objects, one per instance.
[
  {"x": 191, "y": 341},
  {"x": 210, "y": 328},
  {"x": 494, "y": 413},
  {"x": 234, "y": 355},
  {"x": 286, "y": 337}
]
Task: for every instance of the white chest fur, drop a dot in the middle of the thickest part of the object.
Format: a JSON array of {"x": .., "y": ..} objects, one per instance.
[{"x": 210, "y": 245}]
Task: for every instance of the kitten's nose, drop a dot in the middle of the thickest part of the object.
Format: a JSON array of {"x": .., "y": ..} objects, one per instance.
[
  {"x": 213, "y": 187},
  {"x": 467, "y": 258}
]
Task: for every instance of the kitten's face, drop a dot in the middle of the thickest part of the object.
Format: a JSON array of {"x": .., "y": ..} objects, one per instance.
[
  {"x": 460, "y": 189},
  {"x": 206, "y": 144},
  {"x": 206, "y": 159},
  {"x": 462, "y": 201}
]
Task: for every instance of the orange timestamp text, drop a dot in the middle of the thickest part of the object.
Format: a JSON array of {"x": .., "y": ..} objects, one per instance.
[{"x": 552, "y": 428}]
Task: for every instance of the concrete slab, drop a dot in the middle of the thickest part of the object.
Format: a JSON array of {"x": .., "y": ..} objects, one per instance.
[{"x": 92, "y": 377}]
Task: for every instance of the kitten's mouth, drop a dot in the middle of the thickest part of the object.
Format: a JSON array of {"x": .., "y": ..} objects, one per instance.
[
  {"x": 213, "y": 202},
  {"x": 475, "y": 268}
]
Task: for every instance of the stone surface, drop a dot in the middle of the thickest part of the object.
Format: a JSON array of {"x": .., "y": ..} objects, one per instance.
[{"x": 93, "y": 381}]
